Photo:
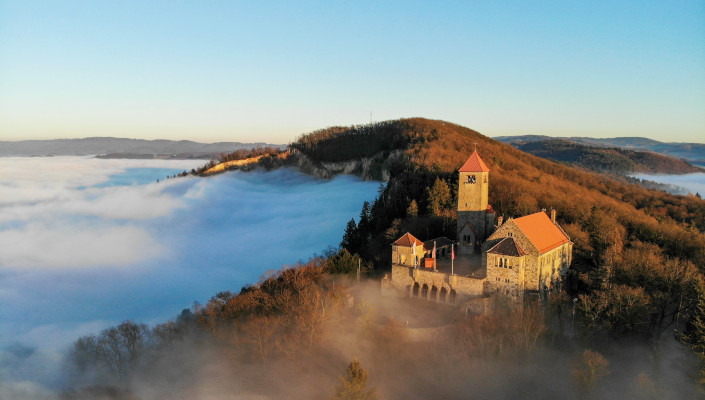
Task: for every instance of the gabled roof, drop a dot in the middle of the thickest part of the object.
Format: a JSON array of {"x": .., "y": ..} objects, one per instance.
[
  {"x": 474, "y": 164},
  {"x": 471, "y": 229},
  {"x": 408, "y": 240},
  {"x": 490, "y": 210},
  {"x": 541, "y": 232},
  {"x": 507, "y": 247}
]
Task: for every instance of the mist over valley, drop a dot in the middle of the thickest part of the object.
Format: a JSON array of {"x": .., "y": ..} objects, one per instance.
[{"x": 87, "y": 243}]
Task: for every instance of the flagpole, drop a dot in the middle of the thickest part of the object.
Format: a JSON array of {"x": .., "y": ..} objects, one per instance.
[{"x": 434, "y": 256}]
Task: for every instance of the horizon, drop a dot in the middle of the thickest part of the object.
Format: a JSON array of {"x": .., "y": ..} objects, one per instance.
[{"x": 270, "y": 72}]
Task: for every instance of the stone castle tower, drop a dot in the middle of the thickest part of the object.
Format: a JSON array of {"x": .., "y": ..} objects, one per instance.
[{"x": 475, "y": 215}]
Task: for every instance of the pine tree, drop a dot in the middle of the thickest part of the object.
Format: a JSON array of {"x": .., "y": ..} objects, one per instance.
[
  {"x": 413, "y": 210},
  {"x": 365, "y": 225},
  {"x": 354, "y": 387},
  {"x": 351, "y": 237},
  {"x": 439, "y": 197}
]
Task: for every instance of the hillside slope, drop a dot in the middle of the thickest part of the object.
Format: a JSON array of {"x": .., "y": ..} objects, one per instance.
[
  {"x": 693, "y": 153},
  {"x": 607, "y": 159}
]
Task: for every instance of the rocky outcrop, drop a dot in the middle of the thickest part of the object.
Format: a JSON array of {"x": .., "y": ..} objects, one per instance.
[{"x": 368, "y": 168}]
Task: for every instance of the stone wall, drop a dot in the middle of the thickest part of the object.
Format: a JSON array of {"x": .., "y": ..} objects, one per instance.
[
  {"x": 507, "y": 279},
  {"x": 441, "y": 287}
]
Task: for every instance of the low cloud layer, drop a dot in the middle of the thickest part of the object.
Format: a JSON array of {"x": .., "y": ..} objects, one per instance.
[
  {"x": 76, "y": 255},
  {"x": 693, "y": 183}
]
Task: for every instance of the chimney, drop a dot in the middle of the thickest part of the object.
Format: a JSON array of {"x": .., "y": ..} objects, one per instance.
[
  {"x": 553, "y": 215},
  {"x": 499, "y": 221}
]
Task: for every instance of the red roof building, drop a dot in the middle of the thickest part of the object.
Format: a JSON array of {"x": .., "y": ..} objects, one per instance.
[{"x": 541, "y": 232}]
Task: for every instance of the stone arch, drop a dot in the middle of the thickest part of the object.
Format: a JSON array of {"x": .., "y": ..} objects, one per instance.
[
  {"x": 443, "y": 295},
  {"x": 434, "y": 293},
  {"x": 452, "y": 296},
  {"x": 415, "y": 289},
  {"x": 408, "y": 290},
  {"x": 424, "y": 291}
]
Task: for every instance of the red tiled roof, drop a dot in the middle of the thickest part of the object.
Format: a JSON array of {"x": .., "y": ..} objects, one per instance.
[
  {"x": 408, "y": 240},
  {"x": 474, "y": 164},
  {"x": 490, "y": 210},
  {"x": 507, "y": 247},
  {"x": 541, "y": 232}
]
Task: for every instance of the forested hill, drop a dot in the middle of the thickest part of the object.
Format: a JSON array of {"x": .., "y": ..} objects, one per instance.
[
  {"x": 693, "y": 153},
  {"x": 606, "y": 159},
  {"x": 520, "y": 184}
]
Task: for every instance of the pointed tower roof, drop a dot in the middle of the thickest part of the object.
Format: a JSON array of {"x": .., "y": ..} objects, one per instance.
[{"x": 474, "y": 164}]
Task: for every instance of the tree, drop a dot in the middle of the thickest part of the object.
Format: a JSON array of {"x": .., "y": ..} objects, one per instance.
[
  {"x": 695, "y": 334},
  {"x": 354, "y": 387},
  {"x": 588, "y": 369},
  {"x": 117, "y": 349},
  {"x": 365, "y": 218},
  {"x": 342, "y": 263},
  {"x": 413, "y": 210},
  {"x": 439, "y": 197},
  {"x": 351, "y": 240}
]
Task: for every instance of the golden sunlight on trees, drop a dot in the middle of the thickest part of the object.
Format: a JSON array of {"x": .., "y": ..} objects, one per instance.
[
  {"x": 439, "y": 197},
  {"x": 514, "y": 331},
  {"x": 589, "y": 368},
  {"x": 354, "y": 385},
  {"x": 413, "y": 210}
]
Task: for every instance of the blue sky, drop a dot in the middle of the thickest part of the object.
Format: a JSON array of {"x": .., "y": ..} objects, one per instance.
[{"x": 269, "y": 71}]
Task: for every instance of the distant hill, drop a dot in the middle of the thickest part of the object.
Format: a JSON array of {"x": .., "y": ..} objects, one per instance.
[
  {"x": 693, "y": 153},
  {"x": 607, "y": 159},
  {"x": 110, "y": 147}
]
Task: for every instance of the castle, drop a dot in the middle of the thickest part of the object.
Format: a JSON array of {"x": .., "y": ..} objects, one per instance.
[{"x": 527, "y": 255}]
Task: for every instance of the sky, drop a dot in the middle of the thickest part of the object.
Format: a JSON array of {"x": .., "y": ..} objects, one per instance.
[{"x": 270, "y": 71}]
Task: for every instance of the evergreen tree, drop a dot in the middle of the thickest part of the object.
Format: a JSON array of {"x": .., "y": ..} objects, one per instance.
[
  {"x": 439, "y": 197},
  {"x": 413, "y": 210},
  {"x": 365, "y": 225},
  {"x": 695, "y": 335},
  {"x": 350, "y": 237},
  {"x": 354, "y": 387}
]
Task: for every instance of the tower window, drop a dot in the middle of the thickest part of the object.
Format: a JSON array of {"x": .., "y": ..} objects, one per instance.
[{"x": 471, "y": 179}]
